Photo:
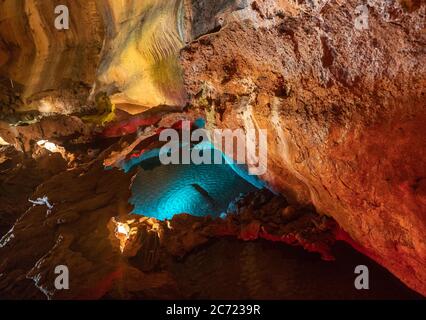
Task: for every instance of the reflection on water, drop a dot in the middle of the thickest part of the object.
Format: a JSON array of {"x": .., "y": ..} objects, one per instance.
[{"x": 161, "y": 191}]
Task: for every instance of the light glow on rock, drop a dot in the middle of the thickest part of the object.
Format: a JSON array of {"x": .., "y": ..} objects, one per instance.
[
  {"x": 3, "y": 142},
  {"x": 50, "y": 146}
]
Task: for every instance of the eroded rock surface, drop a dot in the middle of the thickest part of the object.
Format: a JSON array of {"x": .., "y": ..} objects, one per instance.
[
  {"x": 344, "y": 106},
  {"x": 146, "y": 258},
  {"x": 345, "y": 110}
]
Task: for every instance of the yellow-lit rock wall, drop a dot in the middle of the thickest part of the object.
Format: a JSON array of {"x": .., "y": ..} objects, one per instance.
[
  {"x": 36, "y": 58},
  {"x": 140, "y": 66},
  {"x": 126, "y": 48}
]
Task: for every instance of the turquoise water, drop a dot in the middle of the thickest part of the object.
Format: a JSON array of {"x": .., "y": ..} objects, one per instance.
[{"x": 161, "y": 191}]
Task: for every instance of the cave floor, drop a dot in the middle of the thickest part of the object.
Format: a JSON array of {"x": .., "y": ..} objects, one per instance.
[{"x": 232, "y": 269}]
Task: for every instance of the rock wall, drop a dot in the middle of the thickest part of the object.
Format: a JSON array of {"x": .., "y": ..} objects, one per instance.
[
  {"x": 345, "y": 111},
  {"x": 139, "y": 66},
  {"x": 343, "y": 101},
  {"x": 128, "y": 49}
]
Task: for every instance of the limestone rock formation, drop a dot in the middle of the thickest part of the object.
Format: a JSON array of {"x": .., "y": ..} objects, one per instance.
[
  {"x": 345, "y": 110},
  {"x": 51, "y": 70},
  {"x": 339, "y": 85}
]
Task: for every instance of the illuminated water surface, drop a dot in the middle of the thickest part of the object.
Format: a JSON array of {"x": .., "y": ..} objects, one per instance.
[{"x": 161, "y": 191}]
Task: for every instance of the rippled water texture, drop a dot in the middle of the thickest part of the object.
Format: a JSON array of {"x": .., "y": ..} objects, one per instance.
[{"x": 161, "y": 191}]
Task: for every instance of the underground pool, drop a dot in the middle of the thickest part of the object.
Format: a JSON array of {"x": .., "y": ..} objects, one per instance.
[{"x": 161, "y": 191}]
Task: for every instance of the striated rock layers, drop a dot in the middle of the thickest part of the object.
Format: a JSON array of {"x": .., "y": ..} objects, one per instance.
[
  {"x": 340, "y": 88},
  {"x": 50, "y": 70},
  {"x": 128, "y": 49}
]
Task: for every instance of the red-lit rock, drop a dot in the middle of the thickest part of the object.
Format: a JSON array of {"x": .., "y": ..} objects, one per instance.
[{"x": 345, "y": 110}]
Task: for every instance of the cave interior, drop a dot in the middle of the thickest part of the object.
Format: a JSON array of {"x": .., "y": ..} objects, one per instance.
[{"x": 330, "y": 112}]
